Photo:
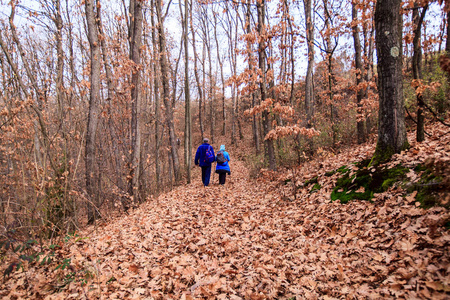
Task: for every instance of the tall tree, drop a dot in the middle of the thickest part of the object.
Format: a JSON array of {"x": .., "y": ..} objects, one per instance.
[
  {"x": 94, "y": 109},
  {"x": 447, "y": 42},
  {"x": 252, "y": 83},
  {"x": 157, "y": 104},
  {"x": 262, "y": 58},
  {"x": 135, "y": 38},
  {"x": 360, "y": 91},
  {"x": 330, "y": 38},
  {"x": 166, "y": 91},
  {"x": 187, "y": 101},
  {"x": 418, "y": 17},
  {"x": 39, "y": 125},
  {"x": 309, "y": 88},
  {"x": 368, "y": 31},
  {"x": 392, "y": 130},
  {"x": 110, "y": 122},
  {"x": 197, "y": 78},
  {"x": 220, "y": 61},
  {"x": 231, "y": 32},
  {"x": 206, "y": 35},
  {"x": 60, "y": 90}
]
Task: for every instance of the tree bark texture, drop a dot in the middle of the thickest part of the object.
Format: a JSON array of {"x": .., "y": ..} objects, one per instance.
[
  {"x": 219, "y": 60},
  {"x": 94, "y": 110},
  {"x": 187, "y": 102},
  {"x": 391, "y": 118},
  {"x": 267, "y": 122},
  {"x": 255, "y": 121},
  {"x": 197, "y": 79},
  {"x": 418, "y": 18},
  {"x": 359, "y": 75},
  {"x": 110, "y": 122},
  {"x": 309, "y": 93},
  {"x": 156, "y": 82},
  {"x": 211, "y": 93},
  {"x": 166, "y": 92},
  {"x": 447, "y": 42},
  {"x": 135, "y": 38},
  {"x": 60, "y": 91}
]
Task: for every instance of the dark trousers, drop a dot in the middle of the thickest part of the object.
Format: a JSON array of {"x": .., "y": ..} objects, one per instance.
[
  {"x": 206, "y": 175},
  {"x": 222, "y": 176}
]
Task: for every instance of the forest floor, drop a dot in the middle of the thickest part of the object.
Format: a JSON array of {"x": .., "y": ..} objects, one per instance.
[{"x": 273, "y": 237}]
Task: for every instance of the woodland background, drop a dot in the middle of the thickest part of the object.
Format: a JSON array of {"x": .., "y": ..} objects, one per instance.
[
  {"x": 320, "y": 103},
  {"x": 102, "y": 103}
]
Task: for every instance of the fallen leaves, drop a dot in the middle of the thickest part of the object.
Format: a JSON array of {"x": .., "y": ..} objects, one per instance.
[{"x": 261, "y": 239}]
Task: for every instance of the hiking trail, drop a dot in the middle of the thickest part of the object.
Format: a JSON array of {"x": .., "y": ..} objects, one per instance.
[{"x": 249, "y": 239}]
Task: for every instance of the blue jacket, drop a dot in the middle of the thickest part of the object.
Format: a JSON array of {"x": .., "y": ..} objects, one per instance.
[
  {"x": 200, "y": 156},
  {"x": 225, "y": 166}
]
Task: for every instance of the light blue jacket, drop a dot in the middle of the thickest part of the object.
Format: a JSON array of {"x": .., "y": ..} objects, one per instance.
[{"x": 225, "y": 166}]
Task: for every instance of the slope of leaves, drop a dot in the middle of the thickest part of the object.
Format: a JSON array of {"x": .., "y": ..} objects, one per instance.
[{"x": 273, "y": 237}]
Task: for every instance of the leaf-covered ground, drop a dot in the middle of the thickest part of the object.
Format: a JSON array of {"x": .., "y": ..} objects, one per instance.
[{"x": 264, "y": 238}]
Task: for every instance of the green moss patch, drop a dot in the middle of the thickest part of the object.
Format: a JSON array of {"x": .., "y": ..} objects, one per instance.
[
  {"x": 315, "y": 188},
  {"x": 311, "y": 181},
  {"x": 315, "y": 184},
  {"x": 428, "y": 188},
  {"x": 363, "y": 183},
  {"x": 330, "y": 173},
  {"x": 343, "y": 169}
]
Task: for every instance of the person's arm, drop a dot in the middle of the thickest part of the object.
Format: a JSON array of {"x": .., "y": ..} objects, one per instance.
[{"x": 197, "y": 154}]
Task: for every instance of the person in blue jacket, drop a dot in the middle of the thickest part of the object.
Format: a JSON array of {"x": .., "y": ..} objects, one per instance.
[
  {"x": 223, "y": 168},
  {"x": 202, "y": 160}
]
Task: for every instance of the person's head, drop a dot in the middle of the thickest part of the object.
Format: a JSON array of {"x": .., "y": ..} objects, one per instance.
[
  {"x": 222, "y": 148},
  {"x": 205, "y": 140}
]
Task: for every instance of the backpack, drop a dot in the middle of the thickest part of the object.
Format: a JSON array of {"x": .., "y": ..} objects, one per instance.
[
  {"x": 209, "y": 156},
  {"x": 221, "y": 158}
]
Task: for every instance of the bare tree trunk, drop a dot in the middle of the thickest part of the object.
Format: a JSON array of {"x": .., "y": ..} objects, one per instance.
[
  {"x": 187, "y": 102},
  {"x": 447, "y": 42},
  {"x": 292, "y": 59},
  {"x": 110, "y": 122},
  {"x": 392, "y": 131},
  {"x": 368, "y": 54},
  {"x": 211, "y": 95},
  {"x": 255, "y": 123},
  {"x": 166, "y": 91},
  {"x": 232, "y": 40},
  {"x": 417, "y": 68},
  {"x": 197, "y": 79},
  {"x": 156, "y": 80},
  {"x": 238, "y": 119},
  {"x": 330, "y": 48},
  {"x": 71, "y": 58},
  {"x": 267, "y": 122},
  {"x": 309, "y": 93},
  {"x": 94, "y": 110},
  {"x": 60, "y": 90},
  {"x": 39, "y": 98},
  {"x": 447, "y": 54},
  {"x": 135, "y": 38},
  {"x": 219, "y": 59},
  {"x": 359, "y": 75},
  {"x": 67, "y": 206}
]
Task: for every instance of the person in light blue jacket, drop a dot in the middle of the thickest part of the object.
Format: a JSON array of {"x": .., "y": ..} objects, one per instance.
[{"x": 222, "y": 167}]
